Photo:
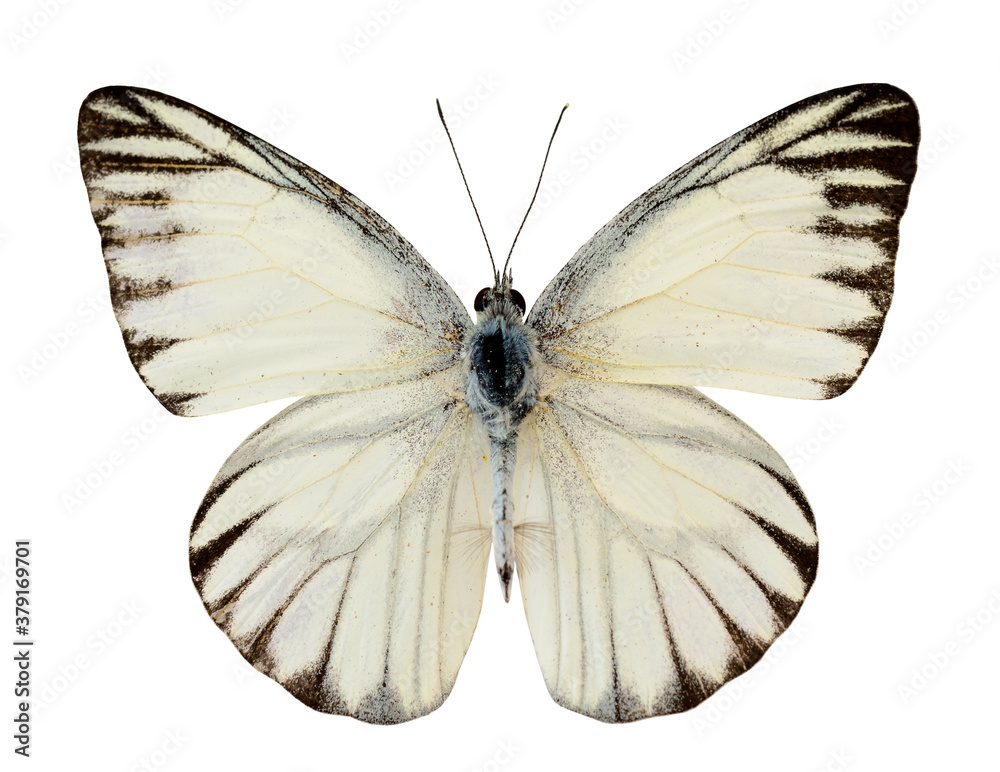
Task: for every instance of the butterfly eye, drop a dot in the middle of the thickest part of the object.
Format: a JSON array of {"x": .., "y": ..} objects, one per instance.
[
  {"x": 518, "y": 299},
  {"x": 480, "y": 302}
]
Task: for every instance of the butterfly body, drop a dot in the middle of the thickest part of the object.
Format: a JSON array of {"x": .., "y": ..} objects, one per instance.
[{"x": 501, "y": 389}]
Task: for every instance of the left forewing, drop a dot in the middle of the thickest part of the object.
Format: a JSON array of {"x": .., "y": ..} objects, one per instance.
[{"x": 239, "y": 275}]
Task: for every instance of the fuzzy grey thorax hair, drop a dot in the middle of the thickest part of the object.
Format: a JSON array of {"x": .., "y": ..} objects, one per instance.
[{"x": 501, "y": 354}]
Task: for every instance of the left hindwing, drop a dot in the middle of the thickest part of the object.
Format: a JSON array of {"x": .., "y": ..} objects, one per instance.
[
  {"x": 766, "y": 264},
  {"x": 340, "y": 547},
  {"x": 664, "y": 545}
]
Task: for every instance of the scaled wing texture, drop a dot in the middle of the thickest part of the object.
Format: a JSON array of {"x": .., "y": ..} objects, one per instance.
[{"x": 662, "y": 545}]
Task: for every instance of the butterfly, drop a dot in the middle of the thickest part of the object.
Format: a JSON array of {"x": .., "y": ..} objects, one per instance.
[{"x": 660, "y": 544}]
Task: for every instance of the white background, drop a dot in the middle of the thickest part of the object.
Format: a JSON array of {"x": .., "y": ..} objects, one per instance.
[{"x": 130, "y": 671}]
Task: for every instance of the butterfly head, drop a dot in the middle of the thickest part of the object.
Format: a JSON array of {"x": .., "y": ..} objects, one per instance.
[{"x": 500, "y": 300}]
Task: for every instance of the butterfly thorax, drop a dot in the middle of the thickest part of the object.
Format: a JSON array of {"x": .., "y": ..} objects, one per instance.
[
  {"x": 501, "y": 385},
  {"x": 501, "y": 389}
]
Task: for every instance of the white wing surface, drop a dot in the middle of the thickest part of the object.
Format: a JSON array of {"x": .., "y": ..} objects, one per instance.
[
  {"x": 766, "y": 264},
  {"x": 239, "y": 274},
  {"x": 340, "y": 547},
  {"x": 664, "y": 545}
]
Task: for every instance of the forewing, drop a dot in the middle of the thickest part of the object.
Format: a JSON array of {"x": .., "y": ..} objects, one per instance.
[
  {"x": 765, "y": 264},
  {"x": 664, "y": 545},
  {"x": 341, "y": 548},
  {"x": 239, "y": 274}
]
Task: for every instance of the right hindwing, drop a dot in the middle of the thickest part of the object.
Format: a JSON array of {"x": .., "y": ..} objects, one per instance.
[{"x": 663, "y": 546}]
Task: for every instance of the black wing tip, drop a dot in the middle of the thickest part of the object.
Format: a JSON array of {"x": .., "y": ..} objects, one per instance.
[
  {"x": 884, "y": 90},
  {"x": 92, "y": 124},
  {"x": 121, "y": 93},
  {"x": 873, "y": 90},
  {"x": 114, "y": 93},
  {"x": 106, "y": 91},
  {"x": 903, "y": 123}
]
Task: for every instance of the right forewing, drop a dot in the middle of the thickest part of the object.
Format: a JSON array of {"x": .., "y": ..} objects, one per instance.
[
  {"x": 765, "y": 264},
  {"x": 664, "y": 546},
  {"x": 340, "y": 548}
]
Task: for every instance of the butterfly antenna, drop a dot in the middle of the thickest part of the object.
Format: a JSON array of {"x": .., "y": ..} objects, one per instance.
[
  {"x": 539, "y": 185},
  {"x": 496, "y": 276}
]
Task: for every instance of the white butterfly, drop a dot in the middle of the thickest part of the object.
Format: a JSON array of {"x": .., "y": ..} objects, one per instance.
[{"x": 661, "y": 545}]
